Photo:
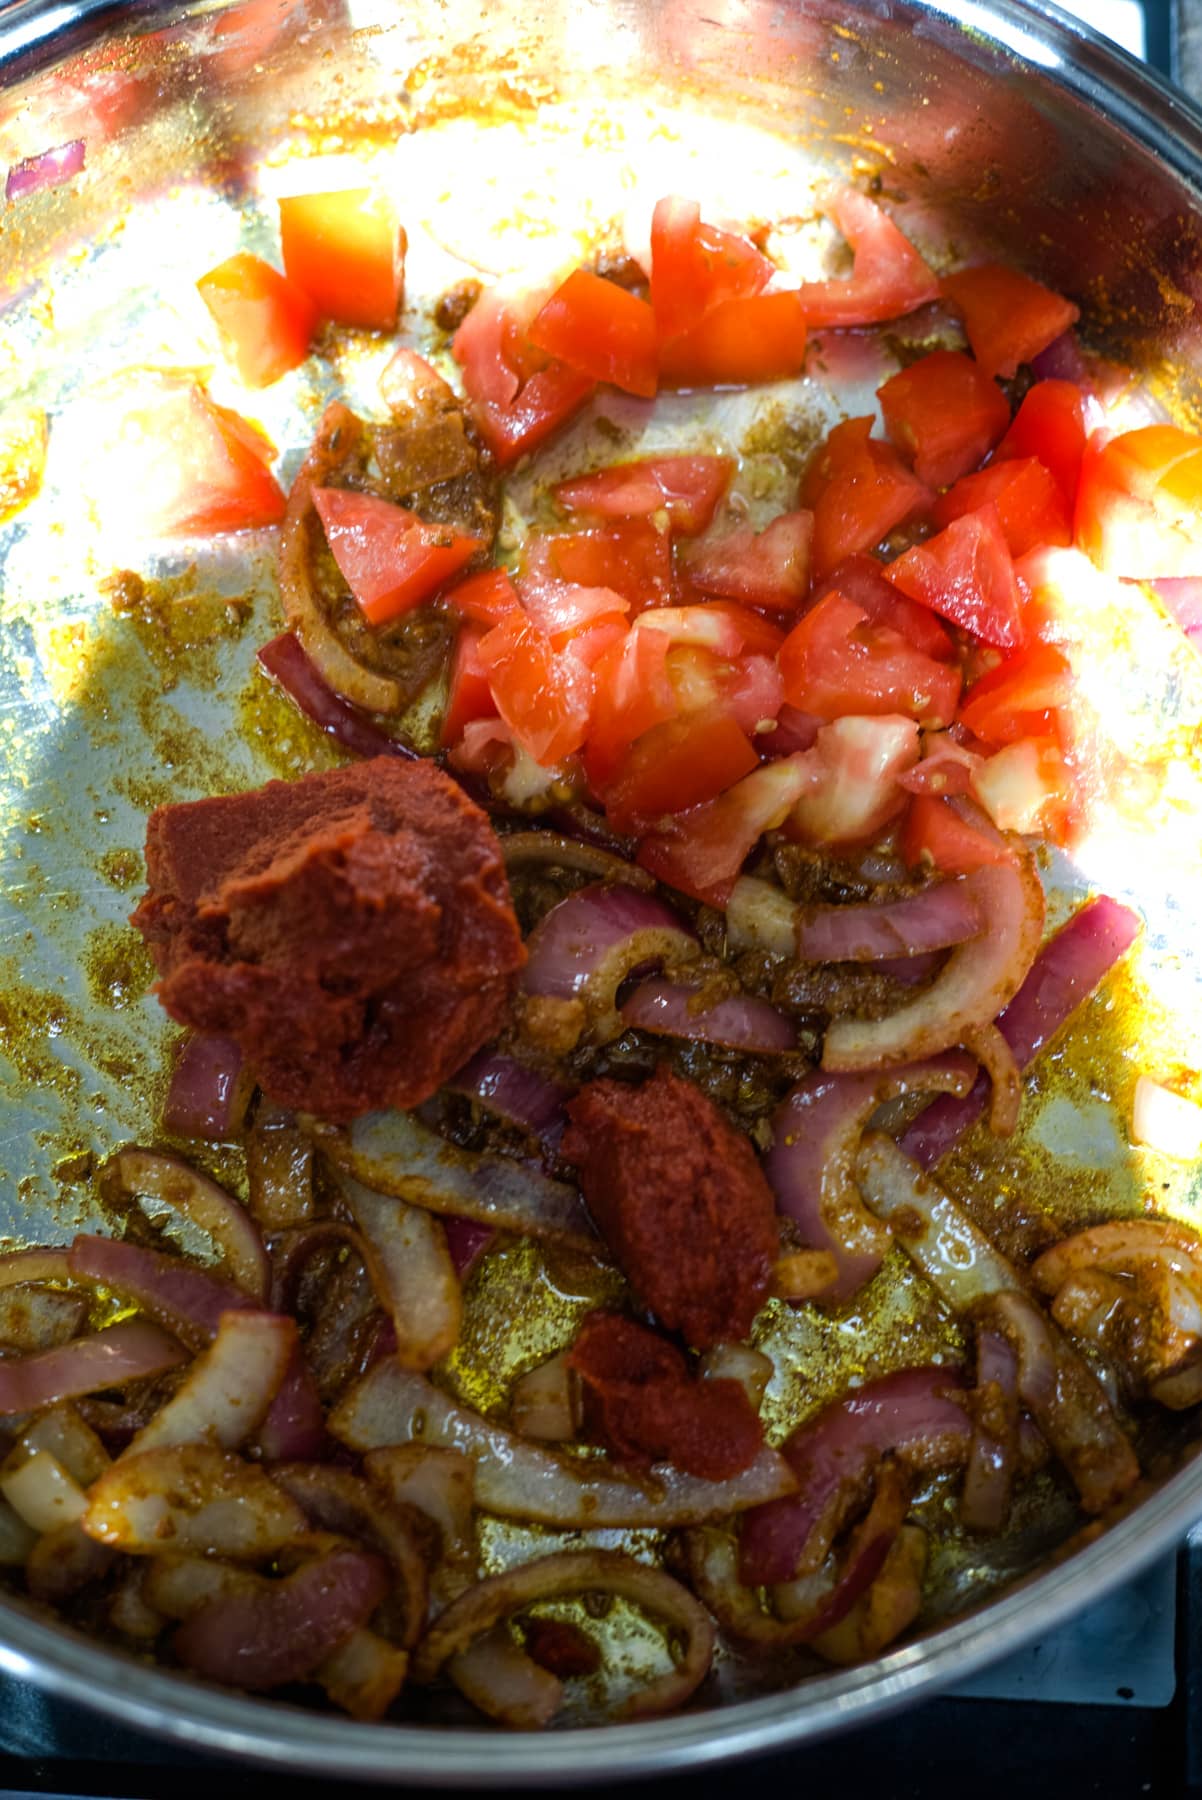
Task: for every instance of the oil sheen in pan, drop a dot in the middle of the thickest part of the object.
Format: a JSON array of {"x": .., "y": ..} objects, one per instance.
[{"x": 127, "y": 680}]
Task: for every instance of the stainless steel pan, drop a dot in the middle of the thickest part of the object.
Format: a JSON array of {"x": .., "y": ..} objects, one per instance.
[{"x": 994, "y": 126}]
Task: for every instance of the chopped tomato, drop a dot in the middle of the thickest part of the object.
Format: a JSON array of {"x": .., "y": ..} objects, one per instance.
[
  {"x": 633, "y": 694},
  {"x": 859, "y": 490},
  {"x": 769, "y": 568},
  {"x": 543, "y": 697},
  {"x": 860, "y": 761},
  {"x": 346, "y": 251},
  {"x": 701, "y": 850},
  {"x": 755, "y": 693},
  {"x": 486, "y": 597},
  {"x": 1139, "y": 505},
  {"x": 1030, "y": 505},
  {"x": 564, "y": 610},
  {"x": 631, "y": 556},
  {"x": 518, "y": 398},
  {"x": 392, "y": 560},
  {"x": 1050, "y": 424},
  {"x": 695, "y": 267},
  {"x": 862, "y": 579},
  {"x": 889, "y": 278},
  {"x": 966, "y": 574},
  {"x": 935, "y": 833},
  {"x": 594, "y": 640},
  {"x": 837, "y": 661},
  {"x": 945, "y": 413},
  {"x": 1004, "y": 704},
  {"x": 196, "y": 468},
  {"x": 713, "y": 628},
  {"x": 265, "y": 321},
  {"x": 1008, "y": 317},
  {"x": 602, "y": 330},
  {"x": 469, "y": 695},
  {"x": 686, "y": 488},
  {"x": 677, "y": 764},
  {"x": 1028, "y": 787},
  {"x": 739, "y": 344}
]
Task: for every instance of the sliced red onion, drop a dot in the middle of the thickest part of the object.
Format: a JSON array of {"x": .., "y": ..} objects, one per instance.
[
  {"x": 44, "y": 1262},
  {"x": 910, "y": 971},
  {"x": 293, "y": 1248},
  {"x": 279, "y": 1169},
  {"x": 521, "y": 848},
  {"x": 185, "y": 1300},
  {"x": 33, "y": 1317},
  {"x": 281, "y": 1631},
  {"x": 209, "y": 1091},
  {"x": 910, "y": 1414},
  {"x": 815, "y": 1137},
  {"x": 295, "y": 1427},
  {"x": 197, "y": 1498},
  {"x": 1064, "y": 974},
  {"x": 364, "y": 1675},
  {"x": 175, "y": 1183},
  {"x": 740, "y": 1022},
  {"x": 518, "y": 1094},
  {"x": 466, "y": 1241},
  {"x": 286, "y": 661},
  {"x": 506, "y": 1684},
  {"x": 42, "y": 1492},
  {"x": 411, "y": 1271},
  {"x": 229, "y": 1389},
  {"x": 892, "y": 1603},
  {"x": 47, "y": 170},
  {"x": 337, "y": 1500},
  {"x": 1063, "y": 360},
  {"x": 818, "y": 1604},
  {"x": 127, "y": 1351},
  {"x": 942, "y": 915},
  {"x": 761, "y": 916},
  {"x": 586, "y": 946},
  {"x": 992, "y": 1455}
]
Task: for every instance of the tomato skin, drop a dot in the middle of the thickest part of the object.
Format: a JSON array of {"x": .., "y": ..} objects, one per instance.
[
  {"x": 1050, "y": 424},
  {"x": 677, "y": 764},
  {"x": 391, "y": 560},
  {"x": 518, "y": 399},
  {"x": 265, "y": 320},
  {"x": 861, "y": 761},
  {"x": 544, "y": 698},
  {"x": 687, "y": 488},
  {"x": 859, "y": 489},
  {"x": 966, "y": 574},
  {"x": 1030, "y": 506},
  {"x": 945, "y": 413},
  {"x": 740, "y": 343},
  {"x": 601, "y": 330},
  {"x": 935, "y": 834},
  {"x": 469, "y": 695},
  {"x": 836, "y": 660},
  {"x": 196, "y": 467},
  {"x": 695, "y": 267},
  {"x": 631, "y": 556},
  {"x": 1008, "y": 317},
  {"x": 889, "y": 277},
  {"x": 701, "y": 851},
  {"x": 769, "y": 568},
  {"x": 1139, "y": 504},
  {"x": 862, "y": 580},
  {"x": 486, "y": 597},
  {"x": 998, "y": 708},
  {"x": 346, "y": 251}
]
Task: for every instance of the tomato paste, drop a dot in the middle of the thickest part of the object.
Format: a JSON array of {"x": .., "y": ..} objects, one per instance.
[{"x": 352, "y": 931}]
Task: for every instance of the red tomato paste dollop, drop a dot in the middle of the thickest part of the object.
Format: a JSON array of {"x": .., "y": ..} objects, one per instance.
[
  {"x": 681, "y": 1201},
  {"x": 643, "y": 1403},
  {"x": 353, "y": 931}
]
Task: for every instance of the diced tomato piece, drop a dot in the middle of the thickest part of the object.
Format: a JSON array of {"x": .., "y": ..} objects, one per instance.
[
  {"x": 195, "y": 468},
  {"x": 543, "y": 697},
  {"x": 633, "y": 693},
  {"x": 265, "y": 320},
  {"x": 1029, "y": 788},
  {"x": 631, "y": 556},
  {"x": 695, "y": 267},
  {"x": 1050, "y": 424},
  {"x": 486, "y": 597},
  {"x": 966, "y": 574},
  {"x": 1139, "y": 505},
  {"x": 564, "y": 610},
  {"x": 861, "y": 761},
  {"x": 1008, "y": 317},
  {"x": 862, "y": 579},
  {"x": 601, "y": 329},
  {"x": 346, "y": 251},
  {"x": 859, "y": 490},
  {"x": 1036, "y": 681},
  {"x": 709, "y": 627},
  {"x": 889, "y": 278},
  {"x": 739, "y": 344},
  {"x": 769, "y": 568},
  {"x": 679, "y": 763},
  {"x": 687, "y": 488},
  {"x": 702, "y": 850},
  {"x": 1030, "y": 506},
  {"x": 518, "y": 398},
  {"x": 469, "y": 695},
  {"x": 755, "y": 693},
  {"x": 592, "y": 643},
  {"x": 935, "y": 833},
  {"x": 837, "y": 661},
  {"x": 945, "y": 413},
  {"x": 392, "y": 560}
]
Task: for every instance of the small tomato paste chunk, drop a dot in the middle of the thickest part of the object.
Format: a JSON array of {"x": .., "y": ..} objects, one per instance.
[
  {"x": 680, "y": 1199},
  {"x": 643, "y": 1403},
  {"x": 352, "y": 931},
  {"x": 561, "y": 1648}
]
